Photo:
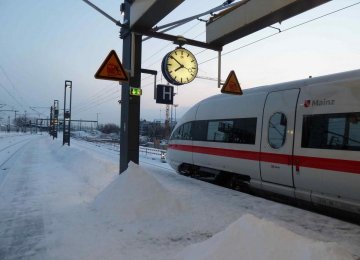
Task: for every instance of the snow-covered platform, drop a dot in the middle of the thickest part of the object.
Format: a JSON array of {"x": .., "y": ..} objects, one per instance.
[{"x": 60, "y": 202}]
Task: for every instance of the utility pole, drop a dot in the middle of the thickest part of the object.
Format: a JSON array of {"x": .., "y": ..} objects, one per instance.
[
  {"x": 8, "y": 126},
  {"x": 51, "y": 121},
  {"x": 25, "y": 123},
  {"x": 97, "y": 121},
  {"x": 175, "y": 105}
]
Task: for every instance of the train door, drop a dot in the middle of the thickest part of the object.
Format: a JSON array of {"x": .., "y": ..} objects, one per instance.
[{"x": 278, "y": 137}]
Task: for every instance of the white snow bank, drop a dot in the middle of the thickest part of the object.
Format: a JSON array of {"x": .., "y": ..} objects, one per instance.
[
  {"x": 251, "y": 238},
  {"x": 135, "y": 195},
  {"x": 80, "y": 160}
]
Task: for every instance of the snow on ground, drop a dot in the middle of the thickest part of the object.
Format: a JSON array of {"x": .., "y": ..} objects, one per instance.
[
  {"x": 60, "y": 202},
  {"x": 149, "y": 199},
  {"x": 254, "y": 238}
]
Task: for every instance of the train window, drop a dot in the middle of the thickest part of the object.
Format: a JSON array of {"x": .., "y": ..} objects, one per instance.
[
  {"x": 241, "y": 130},
  {"x": 219, "y": 130},
  {"x": 244, "y": 131},
  {"x": 186, "y": 133},
  {"x": 199, "y": 130},
  {"x": 183, "y": 132},
  {"x": 332, "y": 131},
  {"x": 277, "y": 130},
  {"x": 176, "y": 135}
]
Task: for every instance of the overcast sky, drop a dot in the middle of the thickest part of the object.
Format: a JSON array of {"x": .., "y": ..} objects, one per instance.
[{"x": 43, "y": 43}]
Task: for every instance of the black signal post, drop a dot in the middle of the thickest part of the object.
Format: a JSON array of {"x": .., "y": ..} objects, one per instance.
[
  {"x": 67, "y": 113},
  {"x": 51, "y": 121},
  {"x": 129, "y": 130},
  {"x": 55, "y": 118}
]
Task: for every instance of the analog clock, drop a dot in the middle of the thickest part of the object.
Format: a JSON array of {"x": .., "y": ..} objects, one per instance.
[{"x": 179, "y": 66}]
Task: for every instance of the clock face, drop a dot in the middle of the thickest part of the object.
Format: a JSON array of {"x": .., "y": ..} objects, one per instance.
[{"x": 179, "y": 66}]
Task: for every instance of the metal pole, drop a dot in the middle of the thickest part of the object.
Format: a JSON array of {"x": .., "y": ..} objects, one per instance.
[
  {"x": 70, "y": 112},
  {"x": 171, "y": 118},
  {"x": 129, "y": 128},
  {"x": 175, "y": 111},
  {"x": 103, "y": 13},
  {"x": 64, "y": 121},
  {"x": 25, "y": 122},
  {"x": 67, "y": 114},
  {"x": 51, "y": 121},
  {"x": 219, "y": 68}
]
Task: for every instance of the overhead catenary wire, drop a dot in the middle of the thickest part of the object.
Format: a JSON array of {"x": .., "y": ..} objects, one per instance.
[
  {"x": 102, "y": 100},
  {"x": 12, "y": 96},
  {"x": 94, "y": 105},
  {"x": 9, "y": 92},
  {"x": 103, "y": 91},
  {"x": 85, "y": 107},
  {"x": 95, "y": 99}
]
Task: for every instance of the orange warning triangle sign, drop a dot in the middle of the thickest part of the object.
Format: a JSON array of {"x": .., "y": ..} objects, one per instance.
[
  {"x": 232, "y": 85},
  {"x": 112, "y": 69}
]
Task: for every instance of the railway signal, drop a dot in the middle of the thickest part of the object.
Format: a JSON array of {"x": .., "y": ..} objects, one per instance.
[{"x": 67, "y": 113}]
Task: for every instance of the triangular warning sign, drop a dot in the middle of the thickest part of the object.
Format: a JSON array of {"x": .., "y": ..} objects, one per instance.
[
  {"x": 232, "y": 85},
  {"x": 112, "y": 69}
]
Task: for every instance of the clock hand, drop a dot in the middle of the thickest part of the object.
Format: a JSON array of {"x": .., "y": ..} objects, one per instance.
[
  {"x": 182, "y": 66},
  {"x": 177, "y": 61}
]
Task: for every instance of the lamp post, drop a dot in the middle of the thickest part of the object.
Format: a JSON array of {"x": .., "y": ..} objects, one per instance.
[
  {"x": 97, "y": 121},
  {"x": 25, "y": 122},
  {"x": 175, "y": 105}
]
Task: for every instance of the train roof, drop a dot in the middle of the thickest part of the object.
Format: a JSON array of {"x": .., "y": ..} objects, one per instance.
[
  {"x": 342, "y": 76},
  {"x": 353, "y": 75}
]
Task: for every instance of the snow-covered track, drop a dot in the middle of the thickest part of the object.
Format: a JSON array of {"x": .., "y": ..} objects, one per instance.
[{"x": 9, "y": 151}]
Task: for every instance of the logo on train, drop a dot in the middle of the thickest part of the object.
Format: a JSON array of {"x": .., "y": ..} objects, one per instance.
[{"x": 319, "y": 102}]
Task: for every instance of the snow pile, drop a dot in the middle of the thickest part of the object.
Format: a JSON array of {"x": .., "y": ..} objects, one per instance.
[
  {"x": 251, "y": 238},
  {"x": 135, "y": 195}
]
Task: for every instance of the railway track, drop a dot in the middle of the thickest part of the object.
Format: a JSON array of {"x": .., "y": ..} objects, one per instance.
[
  {"x": 12, "y": 153},
  {"x": 9, "y": 152}
]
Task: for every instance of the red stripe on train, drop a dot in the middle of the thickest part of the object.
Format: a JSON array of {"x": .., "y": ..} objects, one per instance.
[{"x": 302, "y": 161}]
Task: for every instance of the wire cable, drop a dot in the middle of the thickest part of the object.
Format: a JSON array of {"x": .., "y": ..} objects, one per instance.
[{"x": 15, "y": 89}]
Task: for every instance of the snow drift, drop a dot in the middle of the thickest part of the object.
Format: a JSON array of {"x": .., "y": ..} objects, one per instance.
[
  {"x": 135, "y": 195},
  {"x": 251, "y": 238}
]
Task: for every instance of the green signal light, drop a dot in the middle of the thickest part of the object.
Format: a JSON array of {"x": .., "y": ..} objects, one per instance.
[{"x": 135, "y": 91}]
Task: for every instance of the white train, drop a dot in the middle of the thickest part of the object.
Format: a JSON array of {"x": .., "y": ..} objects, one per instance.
[{"x": 299, "y": 139}]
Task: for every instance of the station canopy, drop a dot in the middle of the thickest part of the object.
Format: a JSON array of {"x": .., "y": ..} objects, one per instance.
[
  {"x": 249, "y": 16},
  {"x": 146, "y": 13}
]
